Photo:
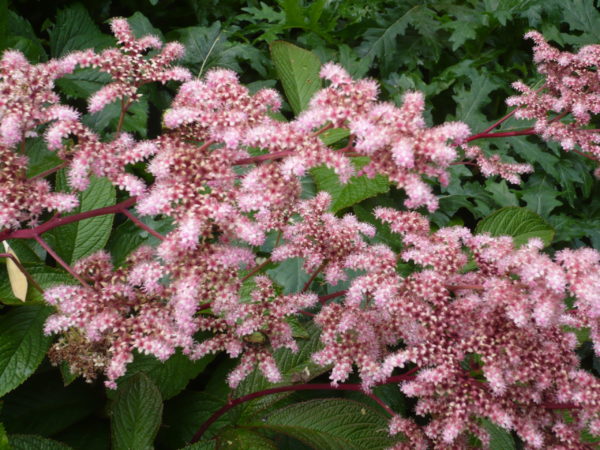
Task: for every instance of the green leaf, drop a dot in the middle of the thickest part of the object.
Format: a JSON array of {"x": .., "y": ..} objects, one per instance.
[
  {"x": 21, "y": 36},
  {"x": 32, "y": 442},
  {"x": 331, "y": 424},
  {"x": 520, "y": 223},
  {"x": 141, "y": 26},
  {"x": 22, "y": 344},
  {"x": 3, "y": 438},
  {"x": 207, "y": 47},
  {"x": 541, "y": 196},
  {"x": 500, "y": 439},
  {"x": 40, "y": 158},
  {"x": 75, "y": 30},
  {"x": 82, "y": 83},
  {"x": 298, "y": 71},
  {"x": 135, "y": 120},
  {"x": 242, "y": 439},
  {"x": 290, "y": 275},
  {"x": 581, "y": 15},
  {"x": 501, "y": 193},
  {"x": 46, "y": 407},
  {"x": 356, "y": 190},
  {"x": 201, "y": 445},
  {"x": 136, "y": 414},
  {"x": 470, "y": 101},
  {"x": 171, "y": 376},
  {"x": 128, "y": 236},
  {"x": 79, "y": 239}
]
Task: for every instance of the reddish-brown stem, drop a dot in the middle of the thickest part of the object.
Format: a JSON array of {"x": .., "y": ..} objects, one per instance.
[
  {"x": 499, "y": 122},
  {"x": 324, "y": 298},
  {"x": 313, "y": 276},
  {"x": 584, "y": 155},
  {"x": 59, "y": 260},
  {"x": 261, "y": 158},
  {"x": 298, "y": 387},
  {"x": 23, "y": 270},
  {"x": 525, "y": 132},
  {"x": 45, "y": 173},
  {"x": 31, "y": 233},
  {"x": 204, "y": 306},
  {"x": 255, "y": 270},
  {"x": 322, "y": 130},
  {"x": 142, "y": 225},
  {"x": 457, "y": 287},
  {"x": 124, "y": 106},
  {"x": 463, "y": 163}
]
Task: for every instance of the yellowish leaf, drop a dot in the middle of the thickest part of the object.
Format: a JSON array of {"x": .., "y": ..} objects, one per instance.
[{"x": 18, "y": 280}]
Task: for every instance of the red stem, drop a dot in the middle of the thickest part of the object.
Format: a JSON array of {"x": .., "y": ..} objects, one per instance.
[
  {"x": 32, "y": 233},
  {"x": 45, "y": 173},
  {"x": 142, "y": 225},
  {"x": 59, "y": 260},
  {"x": 313, "y": 276},
  {"x": 255, "y": 270},
  {"x": 324, "y": 298},
  {"x": 298, "y": 387},
  {"x": 491, "y": 127},
  {"x": 265, "y": 157},
  {"x": 525, "y": 132}
]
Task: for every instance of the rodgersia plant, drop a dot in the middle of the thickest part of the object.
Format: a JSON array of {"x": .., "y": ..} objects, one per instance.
[{"x": 475, "y": 327}]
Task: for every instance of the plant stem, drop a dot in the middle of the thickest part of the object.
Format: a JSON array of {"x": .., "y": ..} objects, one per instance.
[
  {"x": 142, "y": 225},
  {"x": 261, "y": 158},
  {"x": 45, "y": 173},
  {"x": 255, "y": 270},
  {"x": 324, "y": 298},
  {"x": 297, "y": 387},
  {"x": 525, "y": 132},
  {"x": 59, "y": 260},
  {"x": 313, "y": 276},
  {"x": 55, "y": 222}
]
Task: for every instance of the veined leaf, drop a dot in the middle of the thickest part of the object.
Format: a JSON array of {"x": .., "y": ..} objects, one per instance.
[
  {"x": 520, "y": 223},
  {"x": 79, "y": 239},
  {"x": 22, "y": 344},
  {"x": 33, "y": 442},
  {"x": 298, "y": 71},
  {"x": 136, "y": 414},
  {"x": 331, "y": 424}
]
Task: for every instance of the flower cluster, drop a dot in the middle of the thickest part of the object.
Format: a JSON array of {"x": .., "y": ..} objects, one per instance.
[
  {"x": 130, "y": 69},
  {"x": 488, "y": 343},
  {"x": 103, "y": 323},
  {"x": 482, "y": 325},
  {"x": 27, "y": 101},
  {"x": 570, "y": 88}
]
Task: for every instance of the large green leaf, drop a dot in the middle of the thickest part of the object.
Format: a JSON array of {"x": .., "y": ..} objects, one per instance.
[
  {"x": 353, "y": 192},
  {"x": 22, "y": 344},
  {"x": 331, "y": 424},
  {"x": 298, "y": 71},
  {"x": 500, "y": 439},
  {"x": 242, "y": 439},
  {"x": 79, "y": 239},
  {"x": 520, "y": 223},
  {"x": 75, "y": 30},
  {"x": 44, "y": 406},
  {"x": 21, "y": 36},
  {"x": 32, "y": 442},
  {"x": 128, "y": 236},
  {"x": 290, "y": 275},
  {"x": 171, "y": 376},
  {"x": 136, "y": 414},
  {"x": 470, "y": 101}
]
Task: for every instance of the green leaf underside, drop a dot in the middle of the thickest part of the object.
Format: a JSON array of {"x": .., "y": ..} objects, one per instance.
[
  {"x": 23, "y": 344},
  {"x": 136, "y": 414},
  {"x": 519, "y": 223},
  {"x": 298, "y": 71}
]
